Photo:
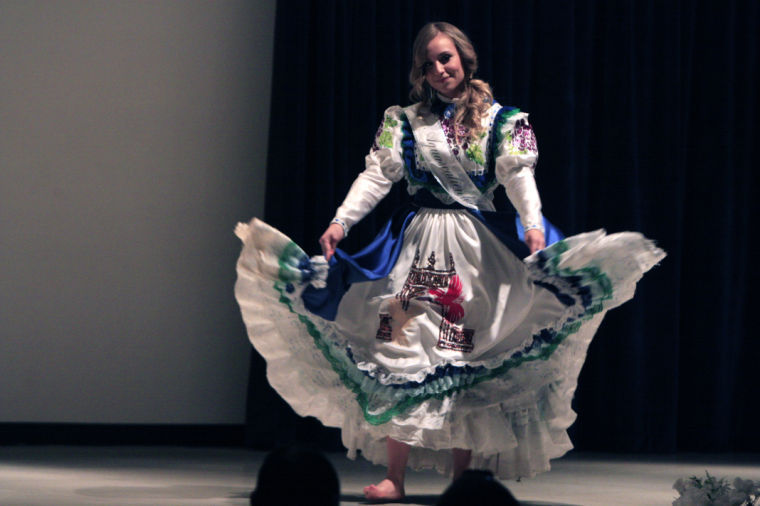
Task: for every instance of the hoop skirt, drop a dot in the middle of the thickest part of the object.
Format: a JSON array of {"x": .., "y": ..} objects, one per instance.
[{"x": 439, "y": 334}]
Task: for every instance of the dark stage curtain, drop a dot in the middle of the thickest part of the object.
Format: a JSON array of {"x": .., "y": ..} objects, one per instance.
[{"x": 646, "y": 117}]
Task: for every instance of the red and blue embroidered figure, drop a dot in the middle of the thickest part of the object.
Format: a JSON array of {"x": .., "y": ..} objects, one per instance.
[
  {"x": 441, "y": 288},
  {"x": 450, "y": 299}
]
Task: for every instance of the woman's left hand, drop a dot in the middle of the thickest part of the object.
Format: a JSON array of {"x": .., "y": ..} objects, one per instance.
[{"x": 534, "y": 238}]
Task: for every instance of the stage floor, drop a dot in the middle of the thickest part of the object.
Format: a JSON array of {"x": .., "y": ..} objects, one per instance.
[{"x": 160, "y": 476}]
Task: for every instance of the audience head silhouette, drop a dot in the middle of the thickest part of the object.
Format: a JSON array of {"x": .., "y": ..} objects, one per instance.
[
  {"x": 296, "y": 477},
  {"x": 477, "y": 487}
]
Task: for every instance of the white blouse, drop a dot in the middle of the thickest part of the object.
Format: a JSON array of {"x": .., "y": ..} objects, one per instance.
[{"x": 511, "y": 163}]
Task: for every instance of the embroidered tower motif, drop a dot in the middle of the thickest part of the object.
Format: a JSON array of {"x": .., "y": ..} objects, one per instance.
[
  {"x": 420, "y": 280},
  {"x": 443, "y": 289},
  {"x": 384, "y": 330}
]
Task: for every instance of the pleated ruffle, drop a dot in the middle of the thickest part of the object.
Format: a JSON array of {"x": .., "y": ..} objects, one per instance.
[{"x": 512, "y": 410}]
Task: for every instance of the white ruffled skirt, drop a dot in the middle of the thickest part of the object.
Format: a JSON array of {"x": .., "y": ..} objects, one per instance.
[{"x": 462, "y": 345}]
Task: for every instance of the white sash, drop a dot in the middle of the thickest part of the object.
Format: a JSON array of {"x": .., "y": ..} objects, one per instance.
[{"x": 431, "y": 141}]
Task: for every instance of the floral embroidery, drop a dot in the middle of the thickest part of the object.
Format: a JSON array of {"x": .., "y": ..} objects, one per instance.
[
  {"x": 385, "y": 139},
  {"x": 384, "y": 135},
  {"x": 495, "y": 140},
  {"x": 522, "y": 140},
  {"x": 480, "y": 154},
  {"x": 475, "y": 153},
  {"x": 447, "y": 123}
]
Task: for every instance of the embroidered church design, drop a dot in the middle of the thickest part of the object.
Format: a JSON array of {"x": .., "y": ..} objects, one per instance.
[
  {"x": 384, "y": 330},
  {"x": 442, "y": 288}
]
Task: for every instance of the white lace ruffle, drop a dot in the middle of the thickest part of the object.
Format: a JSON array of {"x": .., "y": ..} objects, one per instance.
[{"x": 513, "y": 423}]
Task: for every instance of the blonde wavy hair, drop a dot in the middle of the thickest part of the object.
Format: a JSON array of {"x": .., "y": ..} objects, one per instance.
[{"x": 477, "y": 97}]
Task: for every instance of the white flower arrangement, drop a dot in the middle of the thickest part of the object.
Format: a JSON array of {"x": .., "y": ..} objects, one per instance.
[{"x": 710, "y": 490}]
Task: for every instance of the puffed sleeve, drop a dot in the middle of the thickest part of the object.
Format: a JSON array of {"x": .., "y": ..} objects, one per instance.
[
  {"x": 516, "y": 158},
  {"x": 384, "y": 166}
]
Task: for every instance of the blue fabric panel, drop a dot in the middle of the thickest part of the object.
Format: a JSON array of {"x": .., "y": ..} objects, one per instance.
[
  {"x": 378, "y": 258},
  {"x": 371, "y": 263}
]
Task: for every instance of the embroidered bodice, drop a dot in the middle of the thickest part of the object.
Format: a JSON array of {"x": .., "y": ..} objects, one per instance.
[{"x": 503, "y": 153}]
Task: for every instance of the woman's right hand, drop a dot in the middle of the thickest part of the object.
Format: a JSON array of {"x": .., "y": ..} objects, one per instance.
[
  {"x": 534, "y": 239},
  {"x": 330, "y": 239}
]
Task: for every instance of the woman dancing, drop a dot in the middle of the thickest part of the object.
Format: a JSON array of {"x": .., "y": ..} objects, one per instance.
[{"x": 456, "y": 338}]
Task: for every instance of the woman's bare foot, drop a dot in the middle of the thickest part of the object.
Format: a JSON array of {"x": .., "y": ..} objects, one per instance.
[{"x": 386, "y": 490}]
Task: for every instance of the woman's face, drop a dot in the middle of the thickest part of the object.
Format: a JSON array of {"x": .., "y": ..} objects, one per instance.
[{"x": 443, "y": 68}]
